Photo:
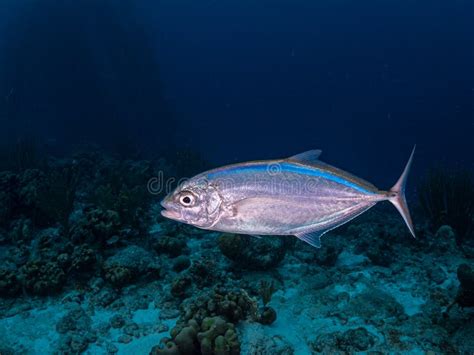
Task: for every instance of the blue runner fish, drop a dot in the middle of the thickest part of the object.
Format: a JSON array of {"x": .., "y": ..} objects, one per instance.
[{"x": 299, "y": 196}]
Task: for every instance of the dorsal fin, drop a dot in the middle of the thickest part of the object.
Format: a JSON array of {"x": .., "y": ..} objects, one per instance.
[{"x": 308, "y": 157}]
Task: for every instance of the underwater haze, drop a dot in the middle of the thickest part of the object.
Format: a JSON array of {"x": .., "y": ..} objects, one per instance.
[{"x": 106, "y": 107}]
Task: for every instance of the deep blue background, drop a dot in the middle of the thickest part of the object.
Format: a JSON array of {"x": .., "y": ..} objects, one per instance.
[{"x": 247, "y": 79}]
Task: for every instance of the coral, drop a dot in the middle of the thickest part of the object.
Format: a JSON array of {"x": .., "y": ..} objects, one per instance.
[
  {"x": 123, "y": 188},
  {"x": 129, "y": 203},
  {"x": 325, "y": 256},
  {"x": 9, "y": 183},
  {"x": 465, "y": 297},
  {"x": 95, "y": 226},
  {"x": 206, "y": 324},
  {"x": 266, "y": 291},
  {"x": 180, "y": 286},
  {"x": 448, "y": 198},
  {"x": 42, "y": 278},
  {"x": 32, "y": 182},
  {"x": 48, "y": 196},
  {"x": 380, "y": 253},
  {"x": 21, "y": 155},
  {"x": 21, "y": 230},
  {"x": 76, "y": 332},
  {"x": 350, "y": 341},
  {"x": 173, "y": 246},
  {"x": 203, "y": 272},
  {"x": 211, "y": 336},
  {"x": 129, "y": 264},
  {"x": 253, "y": 253},
  {"x": 83, "y": 259},
  {"x": 185, "y": 340},
  {"x": 9, "y": 283},
  {"x": 444, "y": 240},
  {"x": 56, "y": 198},
  {"x": 118, "y": 276},
  {"x": 377, "y": 240},
  {"x": 48, "y": 244},
  {"x": 233, "y": 305},
  {"x": 267, "y": 314},
  {"x": 217, "y": 337}
]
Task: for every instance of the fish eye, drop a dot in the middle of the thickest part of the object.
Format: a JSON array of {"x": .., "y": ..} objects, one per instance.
[{"x": 187, "y": 199}]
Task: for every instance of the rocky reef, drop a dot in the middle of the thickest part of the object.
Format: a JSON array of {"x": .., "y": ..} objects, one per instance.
[{"x": 90, "y": 266}]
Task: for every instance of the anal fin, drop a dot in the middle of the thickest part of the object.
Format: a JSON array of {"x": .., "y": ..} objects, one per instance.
[{"x": 312, "y": 238}]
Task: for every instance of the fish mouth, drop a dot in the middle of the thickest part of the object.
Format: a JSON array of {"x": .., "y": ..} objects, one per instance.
[
  {"x": 169, "y": 211},
  {"x": 171, "y": 214}
]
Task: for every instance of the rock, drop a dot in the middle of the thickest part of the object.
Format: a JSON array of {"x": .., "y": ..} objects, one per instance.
[
  {"x": 111, "y": 348},
  {"x": 105, "y": 297},
  {"x": 117, "y": 321},
  {"x": 445, "y": 239},
  {"x": 75, "y": 319},
  {"x": 124, "y": 339},
  {"x": 319, "y": 280},
  {"x": 380, "y": 253},
  {"x": 169, "y": 313},
  {"x": 374, "y": 304},
  {"x": 463, "y": 339},
  {"x": 325, "y": 256},
  {"x": 445, "y": 232},
  {"x": 248, "y": 252},
  {"x": 436, "y": 274},
  {"x": 350, "y": 341},
  {"x": 181, "y": 263},
  {"x": 267, "y": 315},
  {"x": 78, "y": 344}
]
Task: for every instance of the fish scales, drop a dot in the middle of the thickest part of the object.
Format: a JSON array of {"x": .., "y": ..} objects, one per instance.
[{"x": 299, "y": 196}]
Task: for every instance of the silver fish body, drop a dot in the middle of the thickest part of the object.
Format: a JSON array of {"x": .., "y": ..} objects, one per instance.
[{"x": 298, "y": 196}]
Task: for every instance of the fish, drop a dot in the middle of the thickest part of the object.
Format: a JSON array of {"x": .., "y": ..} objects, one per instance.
[{"x": 298, "y": 196}]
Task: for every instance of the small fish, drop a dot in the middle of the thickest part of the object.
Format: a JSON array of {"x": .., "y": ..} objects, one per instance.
[{"x": 299, "y": 196}]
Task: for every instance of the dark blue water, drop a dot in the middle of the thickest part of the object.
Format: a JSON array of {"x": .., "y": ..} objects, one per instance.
[
  {"x": 104, "y": 104},
  {"x": 241, "y": 80}
]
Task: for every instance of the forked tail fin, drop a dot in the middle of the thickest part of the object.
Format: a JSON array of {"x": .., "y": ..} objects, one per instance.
[{"x": 397, "y": 195}]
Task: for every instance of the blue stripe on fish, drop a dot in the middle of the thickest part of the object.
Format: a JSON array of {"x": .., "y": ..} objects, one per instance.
[{"x": 291, "y": 168}]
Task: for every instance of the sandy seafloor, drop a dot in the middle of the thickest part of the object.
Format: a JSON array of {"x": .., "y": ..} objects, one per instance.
[{"x": 399, "y": 307}]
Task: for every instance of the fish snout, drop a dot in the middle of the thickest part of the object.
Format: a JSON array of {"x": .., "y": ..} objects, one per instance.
[{"x": 170, "y": 210}]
